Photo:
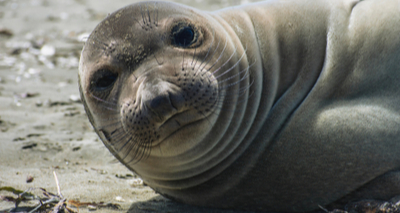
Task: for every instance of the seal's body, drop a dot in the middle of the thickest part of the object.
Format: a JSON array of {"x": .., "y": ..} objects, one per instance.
[{"x": 276, "y": 106}]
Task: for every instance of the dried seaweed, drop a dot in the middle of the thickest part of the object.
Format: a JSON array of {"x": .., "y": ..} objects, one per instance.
[{"x": 48, "y": 202}]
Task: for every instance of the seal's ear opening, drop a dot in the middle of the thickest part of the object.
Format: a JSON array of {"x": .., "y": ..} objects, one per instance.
[{"x": 183, "y": 35}]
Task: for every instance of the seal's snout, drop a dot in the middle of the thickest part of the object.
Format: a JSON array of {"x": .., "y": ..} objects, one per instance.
[
  {"x": 159, "y": 99},
  {"x": 160, "y": 104}
]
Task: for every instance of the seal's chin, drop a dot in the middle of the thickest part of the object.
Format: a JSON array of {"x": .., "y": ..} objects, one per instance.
[{"x": 178, "y": 126}]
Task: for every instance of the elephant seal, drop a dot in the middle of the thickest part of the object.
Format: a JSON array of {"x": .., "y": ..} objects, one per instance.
[{"x": 284, "y": 105}]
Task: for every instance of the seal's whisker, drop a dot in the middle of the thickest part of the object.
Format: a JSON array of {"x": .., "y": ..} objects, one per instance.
[
  {"x": 108, "y": 119},
  {"x": 114, "y": 139},
  {"x": 140, "y": 149},
  {"x": 229, "y": 96},
  {"x": 212, "y": 56},
  {"x": 141, "y": 12},
  {"x": 111, "y": 124},
  {"x": 140, "y": 24},
  {"x": 240, "y": 97},
  {"x": 144, "y": 153},
  {"x": 183, "y": 61},
  {"x": 206, "y": 117},
  {"x": 231, "y": 77},
  {"x": 246, "y": 70},
  {"x": 113, "y": 132},
  {"x": 220, "y": 56},
  {"x": 136, "y": 78},
  {"x": 208, "y": 52},
  {"x": 220, "y": 105},
  {"x": 230, "y": 69},
  {"x": 239, "y": 94},
  {"x": 121, "y": 134},
  {"x": 156, "y": 13},
  {"x": 128, "y": 141},
  {"x": 118, "y": 138},
  {"x": 194, "y": 55},
  {"x": 109, "y": 105},
  {"x": 219, "y": 68},
  {"x": 134, "y": 155},
  {"x": 103, "y": 101},
  {"x": 110, "y": 109},
  {"x": 148, "y": 14},
  {"x": 234, "y": 83}
]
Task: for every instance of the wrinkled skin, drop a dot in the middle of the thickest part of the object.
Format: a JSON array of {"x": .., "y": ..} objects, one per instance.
[{"x": 275, "y": 106}]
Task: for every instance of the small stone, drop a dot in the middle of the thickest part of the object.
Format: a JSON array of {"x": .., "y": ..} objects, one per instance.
[
  {"x": 62, "y": 84},
  {"x": 91, "y": 208},
  {"x": 6, "y": 32},
  {"x": 69, "y": 62},
  {"x": 83, "y": 37},
  {"x": 75, "y": 98},
  {"x": 33, "y": 71},
  {"x": 29, "y": 179},
  {"x": 48, "y": 50},
  {"x": 119, "y": 199},
  {"x": 46, "y": 62},
  {"x": 135, "y": 182}
]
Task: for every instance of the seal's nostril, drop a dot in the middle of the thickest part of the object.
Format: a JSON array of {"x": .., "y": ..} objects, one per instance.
[
  {"x": 159, "y": 102},
  {"x": 160, "y": 98}
]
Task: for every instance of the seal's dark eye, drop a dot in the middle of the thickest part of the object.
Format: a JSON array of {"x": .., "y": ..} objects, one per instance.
[
  {"x": 183, "y": 36},
  {"x": 103, "y": 79}
]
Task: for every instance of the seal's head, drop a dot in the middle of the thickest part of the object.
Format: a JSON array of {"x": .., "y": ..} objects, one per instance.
[{"x": 153, "y": 78}]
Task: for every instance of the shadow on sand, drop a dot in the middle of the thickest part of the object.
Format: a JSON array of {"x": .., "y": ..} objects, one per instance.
[{"x": 164, "y": 205}]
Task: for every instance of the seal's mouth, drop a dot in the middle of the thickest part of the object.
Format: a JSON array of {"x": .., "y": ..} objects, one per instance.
[
  {"x": 175, "y": 124},
  {"x": 171, "y": 119}
]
